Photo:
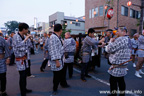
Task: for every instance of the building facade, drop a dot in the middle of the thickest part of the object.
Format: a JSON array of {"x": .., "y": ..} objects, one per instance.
[
  {"x": 124, "y": 16},
  {"x": 76, "y": 25},
  {"x": 4, "y": 31},
  {"x": 40, "y": 28}
]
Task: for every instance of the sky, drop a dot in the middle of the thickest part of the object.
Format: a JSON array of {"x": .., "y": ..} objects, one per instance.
[{"x": 26, "y": 10}]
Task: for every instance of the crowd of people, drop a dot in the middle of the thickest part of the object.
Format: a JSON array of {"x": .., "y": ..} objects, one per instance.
[{"x": 59, "y": 54}]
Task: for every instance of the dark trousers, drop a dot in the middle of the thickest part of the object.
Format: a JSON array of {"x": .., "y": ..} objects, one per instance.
[
  {"x": 28, "y": 70},
  {"x": 44, "y": 63},
  {"x": 59, "y": 77},
  {"x": 23, "y": 82},
  {"x": 32, "y": 51},
  {"x": 69, "y": 66},
  {"x": 3, "y": 82},
  {"x": 116, "y": 82},
  {"x": 84, "y": 70},
  {"x": 12, "y": 59}
]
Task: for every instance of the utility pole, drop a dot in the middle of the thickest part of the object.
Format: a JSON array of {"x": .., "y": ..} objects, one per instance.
[
  {"x": 142, "y": 14},
  {"x": 117, "y": 13},
  {"x": 141, "y": 17}
]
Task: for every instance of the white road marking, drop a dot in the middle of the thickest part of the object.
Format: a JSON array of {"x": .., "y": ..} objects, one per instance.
[{"x": 102, "y": 81}]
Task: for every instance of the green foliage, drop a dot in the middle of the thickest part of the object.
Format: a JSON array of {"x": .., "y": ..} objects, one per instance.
[
  {"x": 64, "y": 30},
  {"x": 9, "y": 32},
  {"x": 110, "y": 2},
  {"x": 138, "y": 23},
  {"x": 11, "y": 25}
]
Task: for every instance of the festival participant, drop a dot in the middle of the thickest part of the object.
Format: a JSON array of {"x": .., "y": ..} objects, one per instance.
[
  {"x": 12, "y": 60},
  {"x": 88, "y": 42},
  {"x": 69, "y": 50},
  {"x": 56, "y": 61},
  {"x": 140, "y": 56},
  {"x": 134, "y": 42},
  {"x": 119, "y": 56},
  {"x": 20, "y": 48},
  {"x": 4, "y": 60},
  {"x": 46, "y": 53}
]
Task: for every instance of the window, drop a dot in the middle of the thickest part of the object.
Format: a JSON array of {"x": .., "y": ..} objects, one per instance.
[
  {"x": 77, "y": 24},
  {"x": 73, "y": 22},
  {"x": 64, "y": 22},
  {"x": 52, "y": 23},
  {"x": 101, "y": 11},
  {"x": 132, "y": 13},
  {"x": 96, "y": 10},
  {"x": 137, "y": 13},
  {"x": 92, "y": 13},
  {"x": 89, "y": 13},
  {"x": 124, "y": 11}
]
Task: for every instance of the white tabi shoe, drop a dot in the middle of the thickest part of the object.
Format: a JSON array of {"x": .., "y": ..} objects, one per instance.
[
  {"x": 48, "y": 64},
  {"x": 127, "y": 69},
  {"x": 134, "y": 65},
  {"x": 137, "y": 74},
  {"x": 31, "y": 76},
  {"x": 141, "y": 72}
]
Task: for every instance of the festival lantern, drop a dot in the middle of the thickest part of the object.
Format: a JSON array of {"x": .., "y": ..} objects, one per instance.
[{"x": 110, "y": 13}]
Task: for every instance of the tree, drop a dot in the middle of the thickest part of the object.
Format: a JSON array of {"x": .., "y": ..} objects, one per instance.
[
  {"x": 11, "y": 26},
  {"x": 110, "y": 2},
  {"x": 138, "y": 23},
  {"x": 64, "y": 30}
]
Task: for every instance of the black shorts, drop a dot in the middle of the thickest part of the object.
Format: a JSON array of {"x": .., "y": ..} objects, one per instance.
[
  {"x": 41, "y": 45},
  {"x": 37, "y": 43}
]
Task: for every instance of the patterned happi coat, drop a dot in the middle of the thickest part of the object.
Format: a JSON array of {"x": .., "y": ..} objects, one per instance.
[
  {"x": 88, "y": 43},
  {"x": 20, "y": 49},
  {"x": 69, "y": 50},
  {"x": 56, "y": 52},
  {"x": 4, "y": 49}
]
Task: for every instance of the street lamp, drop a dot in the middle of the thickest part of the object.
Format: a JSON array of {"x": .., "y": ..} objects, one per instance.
[
  {"x": 84, "y": 17},
  {"x": 94, "y": 13},
  {"x": 106, "y": 7},
  {"x": 76, "y": 20},
  {"x": 141, "y": 17},
  {"x": 70, "y": 22},
  {"x": 129, "y": 3},
  {"x": 66, "y": 24}
]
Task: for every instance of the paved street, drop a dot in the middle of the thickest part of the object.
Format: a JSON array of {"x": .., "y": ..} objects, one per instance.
[{"x": 42, "y": 83}]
